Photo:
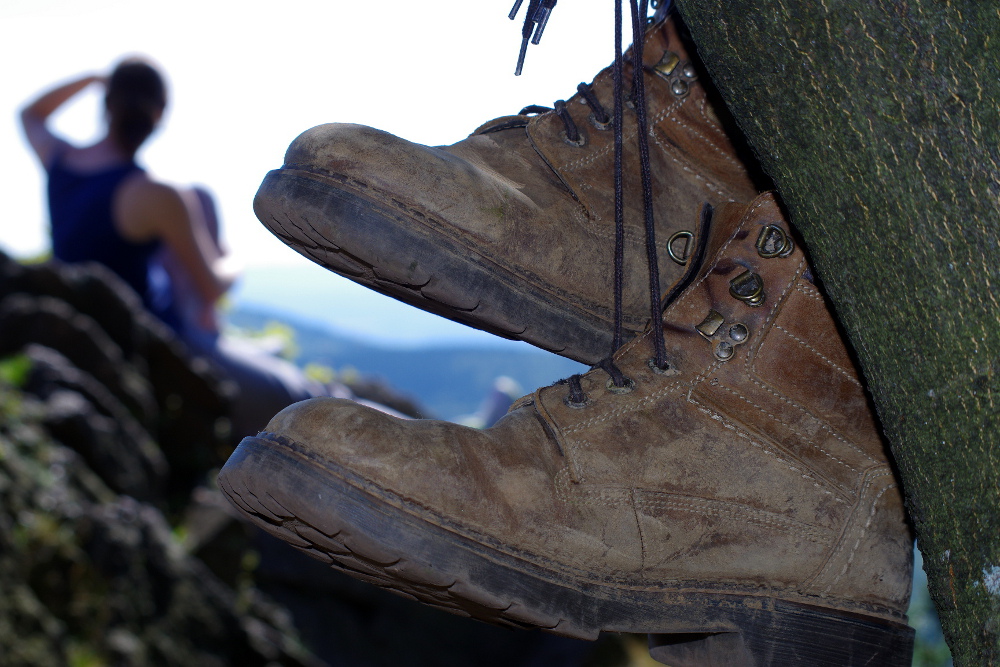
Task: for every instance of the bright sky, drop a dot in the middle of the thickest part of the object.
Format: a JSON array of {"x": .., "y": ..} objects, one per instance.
[{"x": 245, "y": 78}]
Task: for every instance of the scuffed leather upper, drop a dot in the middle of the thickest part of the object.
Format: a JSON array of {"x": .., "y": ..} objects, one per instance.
[
  {"x": 518, "y": 195},
  {"x": 762, "y": 473}
]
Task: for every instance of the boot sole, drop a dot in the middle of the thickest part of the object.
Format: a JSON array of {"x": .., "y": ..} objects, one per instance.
[
  {"x": 396, "y": 252},
  {"x": 352, "y": 528}
]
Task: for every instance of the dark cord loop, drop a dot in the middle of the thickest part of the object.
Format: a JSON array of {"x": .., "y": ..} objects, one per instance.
[
  {"x": 618, "y": 378},
  {"x": 618, "y": 384},
  {"x": 600, "y": 113},
  {"x": 538, "y": 13},
  {"x": 533, "y": 109},
  {"x": 576, "y": 397},
  {"x": 572, "y": 132}
]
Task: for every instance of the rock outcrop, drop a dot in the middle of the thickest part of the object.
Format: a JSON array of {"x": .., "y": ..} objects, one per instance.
[
  {"x": 107, "y": 427},
  {"x": 117, "y": 549}
]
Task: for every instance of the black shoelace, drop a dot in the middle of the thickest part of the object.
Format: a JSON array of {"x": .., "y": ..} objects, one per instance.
[{"x": 537, "y": 17}]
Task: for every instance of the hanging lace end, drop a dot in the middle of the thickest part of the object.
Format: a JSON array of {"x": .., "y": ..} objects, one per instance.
[
  {"x": 526, "y": 29},
  {"x": 520, "y": 57},
  {"x": 541, "y": 19},
  {"x": 535, "y": 20}
]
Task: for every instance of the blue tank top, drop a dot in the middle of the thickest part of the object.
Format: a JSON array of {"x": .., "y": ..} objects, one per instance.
[{"x": 83, "y": 230}]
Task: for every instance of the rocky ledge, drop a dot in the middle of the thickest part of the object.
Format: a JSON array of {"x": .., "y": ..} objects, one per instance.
[{"x": 117, "y": 549}]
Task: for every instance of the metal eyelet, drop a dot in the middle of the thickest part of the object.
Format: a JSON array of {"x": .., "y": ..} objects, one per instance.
[
  {"x": 669, "y": 370},
  {"x": 576, "y": 406},
  {"x": 582, "y": 141},
  {"x": 689, "y": 71},
  {"x": 679, "y": 88},
  {"x": 629, "y": 386},
  {"x": 724, "y": 351},
  {"x": 598, "y": 124}
]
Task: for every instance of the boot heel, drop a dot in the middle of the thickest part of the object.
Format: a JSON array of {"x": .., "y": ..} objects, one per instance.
[{"x": 786, "y": 634}]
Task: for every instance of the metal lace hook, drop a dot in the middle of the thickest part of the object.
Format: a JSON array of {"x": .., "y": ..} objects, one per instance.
[{"x": 685, "y": 255}]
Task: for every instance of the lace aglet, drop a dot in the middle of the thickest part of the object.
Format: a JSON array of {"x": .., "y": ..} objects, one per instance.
[
  {"x": 541, "y": 19},
  {"x": 517, "y": 8},
  {"x": 520, "y": 56}
]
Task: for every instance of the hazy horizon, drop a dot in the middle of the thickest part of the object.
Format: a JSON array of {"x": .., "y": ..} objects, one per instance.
[{"x": 312, "y": 295}]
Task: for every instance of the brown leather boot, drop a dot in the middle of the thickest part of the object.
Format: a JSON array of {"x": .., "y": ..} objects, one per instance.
[
  {"x": 738, "y": 504},
  {"x": 511, "y": 230}
]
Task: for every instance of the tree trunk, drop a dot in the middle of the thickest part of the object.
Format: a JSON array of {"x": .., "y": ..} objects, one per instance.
[{"x": 878, "y": 121}]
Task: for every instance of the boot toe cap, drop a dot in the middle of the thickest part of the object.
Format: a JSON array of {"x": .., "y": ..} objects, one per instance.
[
  {"x": 440, "y": 181},
  {"x": 340, "y": 147}
]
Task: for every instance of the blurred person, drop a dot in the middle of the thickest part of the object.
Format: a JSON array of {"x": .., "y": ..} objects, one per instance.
[
  {"x": 189, "y": 304},
  {"x": 104, "y": 207}
]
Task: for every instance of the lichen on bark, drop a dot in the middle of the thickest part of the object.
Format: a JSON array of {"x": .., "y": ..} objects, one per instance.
[{"x": 880, "y": 125}]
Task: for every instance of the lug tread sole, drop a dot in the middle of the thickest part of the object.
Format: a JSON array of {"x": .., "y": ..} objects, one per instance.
[
  {"x": 392, "y": 251},
  {"x": 374, "y": 542}
]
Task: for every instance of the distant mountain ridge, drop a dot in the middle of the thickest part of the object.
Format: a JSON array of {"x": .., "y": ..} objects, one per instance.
[{"x": 448, "y": 381}]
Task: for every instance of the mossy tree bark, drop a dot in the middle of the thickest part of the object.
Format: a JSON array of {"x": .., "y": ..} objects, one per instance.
[{"x": 878, "y": 121}]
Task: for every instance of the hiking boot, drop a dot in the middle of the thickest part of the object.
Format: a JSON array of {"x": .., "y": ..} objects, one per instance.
[
  {"x": 737, "y": 503},
  {"x": 511, "y": 229}
]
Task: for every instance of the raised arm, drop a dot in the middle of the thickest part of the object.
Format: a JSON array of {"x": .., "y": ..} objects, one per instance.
[{"x": 35, "y": 114}]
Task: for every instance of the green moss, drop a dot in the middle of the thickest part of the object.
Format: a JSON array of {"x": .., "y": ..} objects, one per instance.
[
  {"x": 14, "y": 370},
  {"x": 84, "y": 655}
]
